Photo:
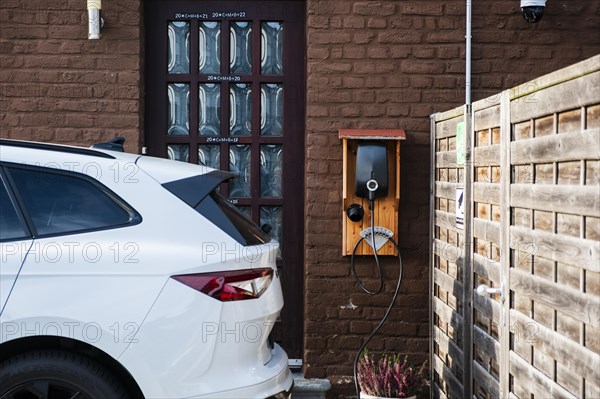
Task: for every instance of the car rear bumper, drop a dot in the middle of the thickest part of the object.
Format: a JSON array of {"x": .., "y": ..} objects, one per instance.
[
  {"x": 193, "y": 346},
  {"x": 279, "y": 386}
]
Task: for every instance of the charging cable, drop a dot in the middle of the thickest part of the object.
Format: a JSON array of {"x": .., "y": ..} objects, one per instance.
[{"x": 372, "y": 186}]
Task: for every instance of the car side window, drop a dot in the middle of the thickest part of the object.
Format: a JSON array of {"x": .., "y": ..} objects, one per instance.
[
  {"x": 11, "y": 227},
  {"x": 60, "y": 203}
]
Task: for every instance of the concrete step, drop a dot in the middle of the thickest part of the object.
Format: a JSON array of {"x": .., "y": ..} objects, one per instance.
[{"x": 310, "y": 388}]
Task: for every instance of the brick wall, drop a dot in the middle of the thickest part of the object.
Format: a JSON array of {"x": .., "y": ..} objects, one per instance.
[
  {"x": 390, "y": 64},
  {"x": 55, "y": 85}
]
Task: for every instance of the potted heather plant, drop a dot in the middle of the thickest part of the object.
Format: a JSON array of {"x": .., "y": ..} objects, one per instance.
[{"x": 390, "y": 377}]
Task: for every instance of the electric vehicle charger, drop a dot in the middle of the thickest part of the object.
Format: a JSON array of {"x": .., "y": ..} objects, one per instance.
[{"x": 372, "y": 187}]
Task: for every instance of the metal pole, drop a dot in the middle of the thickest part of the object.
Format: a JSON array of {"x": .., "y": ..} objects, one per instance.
[
  {"x": 468, "y": 223},
  {"x": 468, "y": 59}
]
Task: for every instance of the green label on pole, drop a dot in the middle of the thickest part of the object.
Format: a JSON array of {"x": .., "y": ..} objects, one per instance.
[{"x": 460, "y": 143}]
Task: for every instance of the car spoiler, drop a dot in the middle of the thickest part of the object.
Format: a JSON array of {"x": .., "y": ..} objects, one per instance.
[{"x": 192, "y": 190}]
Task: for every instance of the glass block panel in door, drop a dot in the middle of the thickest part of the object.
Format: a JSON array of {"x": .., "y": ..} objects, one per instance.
[
  {"x": 209, "y": 109},
  {"x": 271, "y": 109},
  {"x": 240, "y": 109},
  {"x": 179, "y": 47},
  {"x": 178, "y": 103},
  {"x": 271, "y": 170},
  {"x": 209, "y": 48},
  {"x": 271, "y": 51},
  {"x": 209, "y": 155},
  {"x": 178, "y": 152},
  {"x": 239, "y": 163},
  {"x": 240, "y": 48},
  {"x": 272, "y": 215}
]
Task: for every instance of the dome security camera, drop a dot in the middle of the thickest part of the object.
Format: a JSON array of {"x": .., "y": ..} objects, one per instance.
[{"x": 533, "y": 10}]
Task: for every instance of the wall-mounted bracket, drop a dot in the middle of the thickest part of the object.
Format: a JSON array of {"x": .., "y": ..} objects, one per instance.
[{"x": 386, "y": 208}]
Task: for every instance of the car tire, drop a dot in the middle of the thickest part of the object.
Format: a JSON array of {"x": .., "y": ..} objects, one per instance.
[{"x": 56, "y": 375}]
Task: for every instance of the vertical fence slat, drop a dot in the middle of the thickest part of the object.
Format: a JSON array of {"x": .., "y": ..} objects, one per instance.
[
  {"x": 435, "y": 391},
  {"x": 468, "y": 257},
  {"x": 447, "y": 358},
  {"x": 505, "y": 178}
]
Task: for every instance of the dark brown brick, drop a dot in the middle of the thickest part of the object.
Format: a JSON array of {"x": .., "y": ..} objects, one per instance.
[
  {"x": 376, "y": 23},
  {"x": 421, "y": 8},
  {"x": 374, "y": 8},
  {"x": 353, "y": 22},
  {"x": 399, "y": 37}
]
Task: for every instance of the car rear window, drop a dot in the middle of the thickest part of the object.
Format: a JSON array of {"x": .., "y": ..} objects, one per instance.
[
  {"x": 60, "y": 203},
  {"x": 199, "y": 192},
  {"x": 11, "y": 227}
]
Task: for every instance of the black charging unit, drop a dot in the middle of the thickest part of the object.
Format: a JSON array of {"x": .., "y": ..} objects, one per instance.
[{"x": 371, "y": 169}]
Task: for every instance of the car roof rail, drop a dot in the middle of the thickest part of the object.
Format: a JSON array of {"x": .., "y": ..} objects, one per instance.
[
  {"x": 54, "y": 147},
  {"x": 115, "y": 144}
]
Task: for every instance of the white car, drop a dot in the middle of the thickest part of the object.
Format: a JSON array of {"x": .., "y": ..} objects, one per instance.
[{"x": 125, "y": 276}]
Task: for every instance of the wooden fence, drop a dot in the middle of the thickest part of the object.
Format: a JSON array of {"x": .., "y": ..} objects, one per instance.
[{"x": 530, "y": 187}]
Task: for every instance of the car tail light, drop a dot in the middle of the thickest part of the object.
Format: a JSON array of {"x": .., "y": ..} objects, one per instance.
[{"x": 236, "y": 285}]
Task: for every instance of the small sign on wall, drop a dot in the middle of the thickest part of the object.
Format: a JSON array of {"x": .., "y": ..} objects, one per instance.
[{"x": 460, "y": 208}]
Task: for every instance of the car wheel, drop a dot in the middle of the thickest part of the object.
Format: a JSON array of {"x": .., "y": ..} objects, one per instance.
[{"x": 56, "y": 375}]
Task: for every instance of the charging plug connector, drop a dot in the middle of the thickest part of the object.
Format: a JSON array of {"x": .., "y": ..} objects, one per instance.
[{"x": 372, "y": 186}]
